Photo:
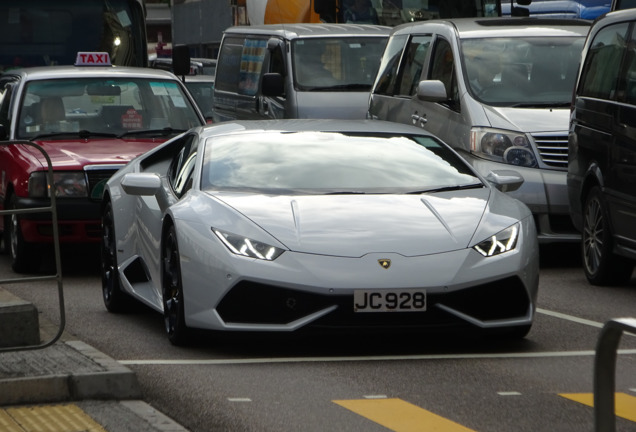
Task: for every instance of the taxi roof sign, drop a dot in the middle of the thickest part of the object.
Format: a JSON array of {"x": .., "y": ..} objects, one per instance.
[{"x": 92, "y": 59}]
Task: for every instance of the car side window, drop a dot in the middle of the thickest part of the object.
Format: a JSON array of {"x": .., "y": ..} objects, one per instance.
[
  {"x": 6, "y": 90},
  {"x": 443, "y": 69},
  {"x": 601, "y": 70},
  {"x": 413, "y": 64},
  {"x": 627, "y": 84},
  {"x": 386, "y": 83},
  {"x": 229, "y": 63},
  {"x": 181, "y": 173}
]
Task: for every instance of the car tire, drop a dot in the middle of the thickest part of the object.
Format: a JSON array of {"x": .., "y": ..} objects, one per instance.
[
  {"x": 24, "y": 257},
  {"x": 115, "y": 299},
  {"x": 601, "y": 265},
  {"x": 172, "y": 288}
]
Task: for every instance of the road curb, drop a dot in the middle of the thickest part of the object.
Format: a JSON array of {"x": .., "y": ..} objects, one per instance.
[{"x": 108, "y": 379}]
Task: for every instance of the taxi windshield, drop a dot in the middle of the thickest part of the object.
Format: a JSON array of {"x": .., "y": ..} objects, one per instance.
[{"x": 103, "y": 107}]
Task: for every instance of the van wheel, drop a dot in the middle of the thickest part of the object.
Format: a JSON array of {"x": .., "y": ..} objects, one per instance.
[{"x": 602, "y": 266}]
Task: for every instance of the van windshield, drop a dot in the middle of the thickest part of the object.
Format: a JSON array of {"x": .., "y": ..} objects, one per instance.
[
  {"x": 336, "y": 64},
  {"x": 522, "y": 71}
]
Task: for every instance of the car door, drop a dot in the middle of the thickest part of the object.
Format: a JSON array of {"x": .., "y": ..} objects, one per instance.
[
  {"x": 445, "y": 118},
  {"x": 622, "y": 175},
  {"x": 401, "y": 68}
]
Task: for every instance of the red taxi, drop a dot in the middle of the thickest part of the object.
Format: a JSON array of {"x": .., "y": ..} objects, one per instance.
[{"x": 91, "y": 119}]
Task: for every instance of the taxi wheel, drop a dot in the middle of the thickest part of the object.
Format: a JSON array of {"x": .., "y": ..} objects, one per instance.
[
  {"x": 115, "y": 299},
  {"x": 24, "y": 258},
  {"x": 173, "y": 309},
  {"x": 602, "y": 266}
]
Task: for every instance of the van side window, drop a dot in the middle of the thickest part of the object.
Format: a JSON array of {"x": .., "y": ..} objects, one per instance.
[
  {"x": 628, "y": 84},
  {"x": 277, "y": 62},
  {"x": 228, "y": 65},
  {"x": 388, "y": 76},
  {"x": 251, "y": 65},
  {"x": 413, "y": 64},
  {"x": 600, "y": 76},
  {"x": 443, "y": 69}
]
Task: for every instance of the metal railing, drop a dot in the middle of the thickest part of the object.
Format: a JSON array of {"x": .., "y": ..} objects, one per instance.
[
  {"x": 605, "y": 372},
  {"x": 52, "y": 208}
]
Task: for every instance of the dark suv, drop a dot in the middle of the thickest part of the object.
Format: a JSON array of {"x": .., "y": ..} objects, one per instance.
[{"x": 602, "y": 150}]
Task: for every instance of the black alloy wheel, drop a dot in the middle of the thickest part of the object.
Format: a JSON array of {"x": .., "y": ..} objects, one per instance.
[
  {"x": 115, "y": 299},
  {"x": 173, "y": 310},
  {"x": 602, "y": 266}
]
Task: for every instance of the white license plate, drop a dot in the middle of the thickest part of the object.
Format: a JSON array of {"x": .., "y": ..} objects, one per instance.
[{"x": 412, "y": 300}]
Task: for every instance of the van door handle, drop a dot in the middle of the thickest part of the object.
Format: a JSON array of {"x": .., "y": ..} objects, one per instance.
[{"x": 418, "y": 120}]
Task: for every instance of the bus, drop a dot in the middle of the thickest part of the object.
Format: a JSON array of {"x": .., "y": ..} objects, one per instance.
[
  {"x": 382, "y": 12},
  {"x": 46, "y": 32}
]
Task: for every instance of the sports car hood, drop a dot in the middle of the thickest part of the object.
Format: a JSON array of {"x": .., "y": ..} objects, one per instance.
[
  {"x": 75, "y": 154},
  {"x": 529, "y": 120},
  {"x": 354, "y": 225}
]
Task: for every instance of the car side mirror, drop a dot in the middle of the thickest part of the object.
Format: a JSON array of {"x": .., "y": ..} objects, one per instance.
[
  {"x": 505, "y": 180},
  {"x": 272, "y": 84},
  {"x": 431, "y": 91},
  {"x": 141, "y": 184},
  {"x": 181, "y": 60}
]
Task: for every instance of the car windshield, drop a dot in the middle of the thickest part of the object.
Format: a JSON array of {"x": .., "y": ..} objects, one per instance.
[
  {"x": 329, "y": 162},
  {"x": 103, "y": 107},
  {"x": 522, "y": 71},
  {"x": 336, "y": 64}
]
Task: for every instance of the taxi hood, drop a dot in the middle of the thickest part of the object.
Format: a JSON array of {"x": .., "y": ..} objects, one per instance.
[
  {"x": 354, "y": 225},
  {"x": 75, "y": 154}
]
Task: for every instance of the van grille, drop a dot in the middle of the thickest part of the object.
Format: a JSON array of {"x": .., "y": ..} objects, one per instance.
[{"x": 553, "y": 149}]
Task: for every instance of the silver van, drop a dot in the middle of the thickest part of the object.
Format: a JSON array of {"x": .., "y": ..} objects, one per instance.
[
  {"x": 297, "y": 71},
  {"x": 498, "y": 90}
]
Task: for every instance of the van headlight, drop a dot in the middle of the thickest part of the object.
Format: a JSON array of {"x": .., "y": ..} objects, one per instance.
[
  {"x": 70, "y": 184},
  {"x": 503, "y": 146},
  {"x": 503, "y": 241}
]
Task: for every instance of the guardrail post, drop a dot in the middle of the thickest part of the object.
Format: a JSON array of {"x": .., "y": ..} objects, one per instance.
[{"x": 605, "y": 372}]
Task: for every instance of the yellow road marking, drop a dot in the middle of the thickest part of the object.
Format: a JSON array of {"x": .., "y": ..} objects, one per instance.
[
  {"x": 50, "y": 418},
  {"x": 624, "y": 404},
  {"x": 401, "y": 416}
]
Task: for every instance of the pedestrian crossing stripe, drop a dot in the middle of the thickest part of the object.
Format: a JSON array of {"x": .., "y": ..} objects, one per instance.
[
  {"x": 400, "y": 416},
  {"x": 624, "y": 404}
]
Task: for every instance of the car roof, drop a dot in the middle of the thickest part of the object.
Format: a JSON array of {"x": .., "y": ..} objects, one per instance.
[
  {"x": 292, "y": 31},
  {"x": 301, "y": 125},
  {"x": 616, "y": 16},
  {"x": 501, "y": 27},
  {"x": 57, "y": 72}
]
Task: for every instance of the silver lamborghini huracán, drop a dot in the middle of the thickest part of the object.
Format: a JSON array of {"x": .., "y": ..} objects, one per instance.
[{"x": 283, "y": 225}]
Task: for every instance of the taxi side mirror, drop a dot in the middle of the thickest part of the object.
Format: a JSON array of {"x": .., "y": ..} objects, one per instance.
[{"x": 181, "y": 60}]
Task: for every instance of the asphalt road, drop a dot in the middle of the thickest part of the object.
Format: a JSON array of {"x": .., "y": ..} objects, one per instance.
[{"x": 347, "y": 383}]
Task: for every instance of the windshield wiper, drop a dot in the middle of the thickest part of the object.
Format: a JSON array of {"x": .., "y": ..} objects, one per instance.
[
  {"x": 152, "y": 132},
  {"x": 351, "y": 86},
  {"x": 447, "y": 188},
  {"x": 80, "y": 134}
]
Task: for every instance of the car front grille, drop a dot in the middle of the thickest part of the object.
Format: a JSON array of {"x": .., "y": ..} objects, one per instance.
[
  {"x": 553, "y": 149},
  {"x": 97, "y": 177}
]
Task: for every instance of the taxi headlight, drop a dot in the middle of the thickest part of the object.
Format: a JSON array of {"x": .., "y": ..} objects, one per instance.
[
  {"x": 503, "y": 146},
  {"x": 246, "y": 247},
  {"x": 67, "y": 185},
  {"x": 499, "y": 243}
]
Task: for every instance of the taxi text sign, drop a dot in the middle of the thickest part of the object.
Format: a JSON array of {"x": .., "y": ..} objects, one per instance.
[{"x": 92, "y": 59}]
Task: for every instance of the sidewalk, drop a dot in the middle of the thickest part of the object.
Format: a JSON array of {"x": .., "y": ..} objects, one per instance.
[{"x": 71, "y": 387}]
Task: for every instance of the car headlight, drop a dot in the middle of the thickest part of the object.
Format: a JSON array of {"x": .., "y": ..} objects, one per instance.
[
  {"x": 503, "y": 146},
  {"x": 244, "y": 246},
  {"x": 499, "y": 243},
  {"x": 67, "y": 185}
]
